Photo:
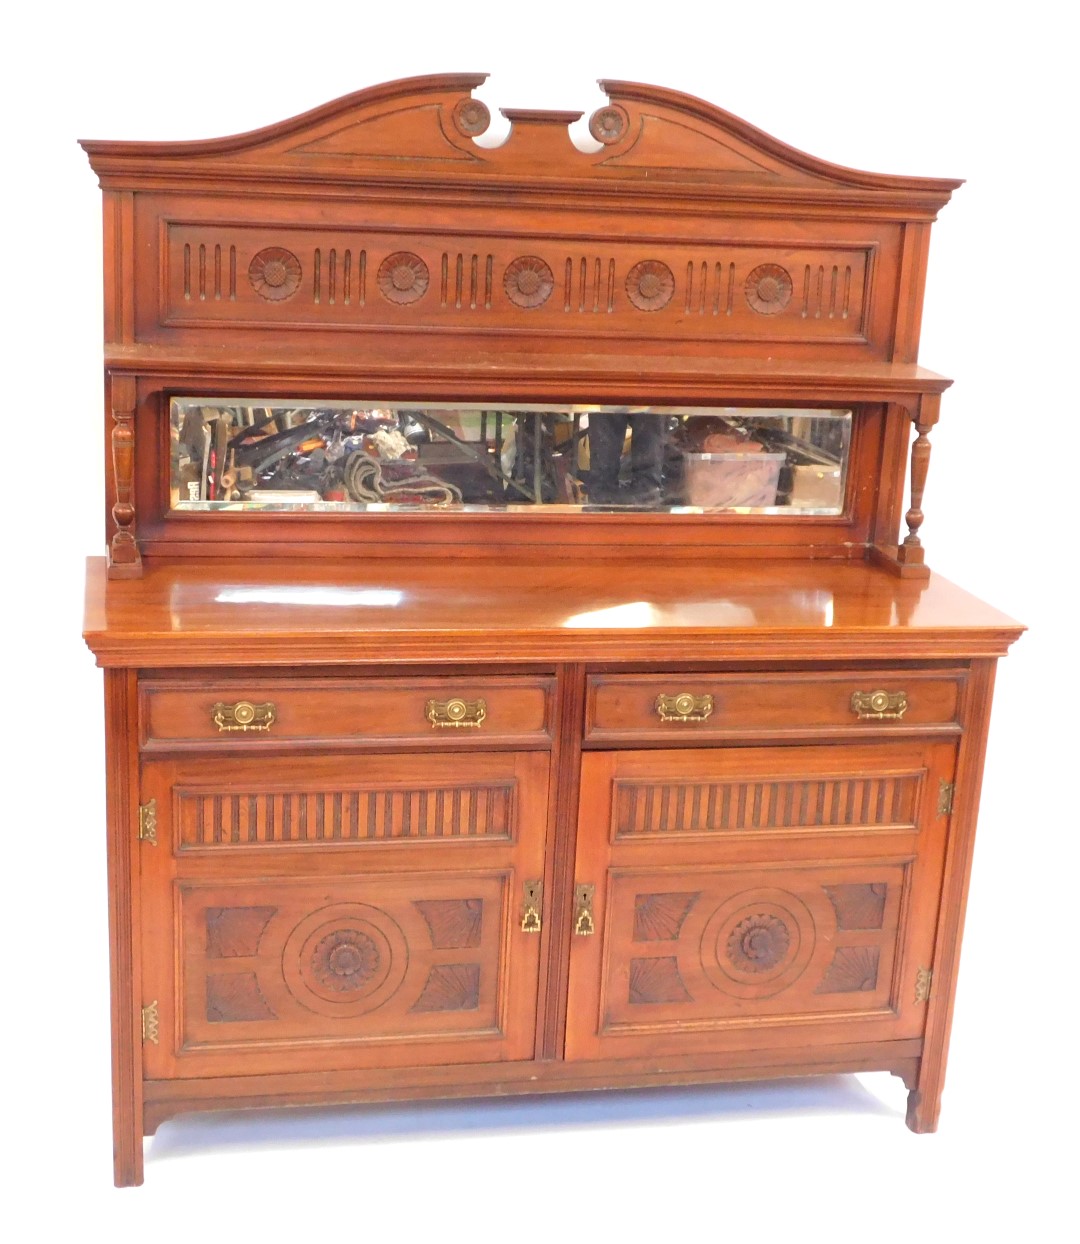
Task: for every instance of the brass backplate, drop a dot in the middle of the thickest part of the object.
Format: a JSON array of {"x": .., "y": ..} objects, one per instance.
[
  {"x": 456, "y": 713},
  {"x": 683, "y": 707},
  {"x": 879, "y": 705},
  {"x": 243, "y": 716}
]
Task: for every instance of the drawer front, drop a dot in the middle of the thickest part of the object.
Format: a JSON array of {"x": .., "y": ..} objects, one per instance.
[
  {"x": 688, "y": 708},
  {"x": 261, "y": 712}
]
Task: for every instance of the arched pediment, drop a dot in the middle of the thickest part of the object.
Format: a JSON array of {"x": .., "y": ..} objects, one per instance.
[{"x": 424, "y": 130}]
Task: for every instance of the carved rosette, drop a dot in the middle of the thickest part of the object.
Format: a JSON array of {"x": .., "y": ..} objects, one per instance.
[
  {"x": 758, "y": 943},
  {"x": 609, "y": 124},
  {"x": 403, "y": 277},
  {"x": 650, "y": 285},
  {"x": 345, "y": 960},
  {"x": 471, "y": 117},
  {"x": 528, "y": 281},
  {"x": 274, "y": 274},
  {"x": 768, "y": 289}
]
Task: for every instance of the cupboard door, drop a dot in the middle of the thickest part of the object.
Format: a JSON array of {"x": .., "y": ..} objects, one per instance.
[
  {"x": 309, "y": 913},
  {"x": 758, "y": 897}
]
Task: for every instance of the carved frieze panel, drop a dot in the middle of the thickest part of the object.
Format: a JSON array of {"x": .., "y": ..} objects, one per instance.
[
  {"x": 733, "y": 944},
  {"x": 361, "y": 958},
  {"x": 210, "y": 821},
  {"x": 673, "y": 808},
  {"x": 355, "y": 279}
]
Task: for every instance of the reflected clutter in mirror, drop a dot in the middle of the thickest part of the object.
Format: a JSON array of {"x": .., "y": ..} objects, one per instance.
[{"x": 325, "y": 456}]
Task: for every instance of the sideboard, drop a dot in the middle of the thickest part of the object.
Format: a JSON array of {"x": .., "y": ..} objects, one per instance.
[{"x": 522, "y": 669}]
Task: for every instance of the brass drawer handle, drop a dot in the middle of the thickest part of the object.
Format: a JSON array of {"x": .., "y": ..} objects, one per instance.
[
  {"x": 243, "y": 715},
  {"x": 583, "y": 917},
  {"x": 532, "y": 903},
  {"x": 456, "y": 712},
  {"x": 683, "y": 707},
  {"x": 879, "y": 705}
]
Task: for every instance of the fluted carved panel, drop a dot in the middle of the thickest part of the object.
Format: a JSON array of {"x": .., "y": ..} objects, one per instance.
[
  {"x": 854, "y": 969},
  {"x": 657, "y": 980},
  {"x": 453, "y": 922},
  {"x": 232, "y": 932},
  {"x": 451, "y": 987},
  {"x": 659, "y": 917},
  {"x": 235, "y": 998},
  {"x": 858, "y": 906},
  {"x": 645, "y": 808},
  {"x": 263, "y": 818}
]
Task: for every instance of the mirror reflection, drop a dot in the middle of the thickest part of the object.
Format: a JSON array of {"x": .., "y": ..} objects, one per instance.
[{"x": 318, "y": 456}]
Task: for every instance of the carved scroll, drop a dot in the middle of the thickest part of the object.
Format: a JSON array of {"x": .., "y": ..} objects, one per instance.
[{"x": 125, "y": 560}]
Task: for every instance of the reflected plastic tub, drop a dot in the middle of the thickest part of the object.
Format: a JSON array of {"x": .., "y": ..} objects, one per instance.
[{"x": 730, "y": 481}]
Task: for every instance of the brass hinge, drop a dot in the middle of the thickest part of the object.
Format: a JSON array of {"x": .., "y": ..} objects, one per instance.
[
  {"x": 923, "y": 979},
  {"x": 150, "y": 1023},
  {"x": 148, "y": 822},
  {"x": 946, "y": 791}
]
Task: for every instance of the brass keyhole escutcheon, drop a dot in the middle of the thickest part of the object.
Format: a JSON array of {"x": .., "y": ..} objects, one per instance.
[
  {"x": 532, "y": 903},
  {"x": 584, "y": 925}
]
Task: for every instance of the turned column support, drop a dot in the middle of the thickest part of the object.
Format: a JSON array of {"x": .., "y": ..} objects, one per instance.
[
  {"x": 924, "y": 416},
  {"x": 125, "y": 560}
]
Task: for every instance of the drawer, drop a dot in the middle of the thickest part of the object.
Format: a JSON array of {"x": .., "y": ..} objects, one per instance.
[
  {"x": 263, "y": 713},
  {"x": 632, "y": 708}
]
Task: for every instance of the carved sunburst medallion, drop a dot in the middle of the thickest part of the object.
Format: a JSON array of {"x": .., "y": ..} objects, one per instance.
[
  {"x": 650, "y": 285},
  {"x": 471, "y": 116},
  {"x": 768, "y": 289},
  {"x": 403, "y": 277},
  {"x": 758, "y": 943},
  {"x": 528, "y": 281},
  {"x": 345, "y": 961},
  {"x": 274, "y": 274},
  {"x": 607, "y": 125}
]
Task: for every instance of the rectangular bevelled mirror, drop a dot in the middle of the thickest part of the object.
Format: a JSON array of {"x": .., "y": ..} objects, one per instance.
[{"x": 319, "y": 456}]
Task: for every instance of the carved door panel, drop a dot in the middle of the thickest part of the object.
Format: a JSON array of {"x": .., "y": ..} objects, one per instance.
[
  {"x": 754, "y": 897},
  {"x": 307, "y": 913}
]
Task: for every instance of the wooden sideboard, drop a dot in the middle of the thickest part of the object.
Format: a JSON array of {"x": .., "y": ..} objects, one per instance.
[{"x": 461, "y": 739}]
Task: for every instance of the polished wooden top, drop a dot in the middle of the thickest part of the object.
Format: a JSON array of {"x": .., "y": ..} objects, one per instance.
[{"x": 205, "y": 613}]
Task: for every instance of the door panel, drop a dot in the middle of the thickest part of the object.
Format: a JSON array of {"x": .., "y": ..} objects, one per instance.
[
  {"x": 342, "y": 913},
  {"x": 750, "y": 897}
]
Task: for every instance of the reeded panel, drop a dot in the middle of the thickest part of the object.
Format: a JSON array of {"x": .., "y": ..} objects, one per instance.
[
  {"x": 247, "y": 454},
  {"x": 351, "y": 816},
  {"x": 678, "y": 809}
]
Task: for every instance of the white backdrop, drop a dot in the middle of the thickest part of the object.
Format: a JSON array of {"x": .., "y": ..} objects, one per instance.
[{"x": 933, "y": 89}]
